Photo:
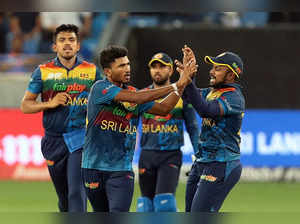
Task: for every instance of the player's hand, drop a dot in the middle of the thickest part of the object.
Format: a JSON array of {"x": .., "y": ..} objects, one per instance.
[
  {"x": 59, "y": 99},
  {"x": 188, "y": 54},
  {"x": 179, "y": 66},
  {"x": 189, "y": 69}
]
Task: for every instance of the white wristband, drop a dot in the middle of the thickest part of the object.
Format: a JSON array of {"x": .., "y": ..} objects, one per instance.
[
  {"x": 177, "y": 93},
  {"x": 175, "y": 87}
]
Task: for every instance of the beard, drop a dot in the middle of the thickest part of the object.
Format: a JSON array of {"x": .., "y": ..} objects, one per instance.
[
  {"x": 69, "y": 57},
  {"x": 161, "y": 82},
  {"x": 219, "y": 84}
]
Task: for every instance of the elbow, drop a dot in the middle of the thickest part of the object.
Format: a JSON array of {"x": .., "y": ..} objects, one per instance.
[{"x": 23, "y": 108}]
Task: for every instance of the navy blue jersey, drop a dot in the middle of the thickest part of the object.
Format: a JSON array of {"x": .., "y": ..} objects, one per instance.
[
  {"x": 52, "y": 78},
  {"x": 110, "y": 125},
  {"x": 166, "y": 132},
  {"x": 220, "y": 137}
]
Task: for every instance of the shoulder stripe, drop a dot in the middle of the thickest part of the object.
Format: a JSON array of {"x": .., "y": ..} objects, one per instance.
[
  {"x": 48, "y": 65},
  {"x": 87, "y": 64},
  {"x": 230, "y": 89},
  {"x": 131, "y": 88}
]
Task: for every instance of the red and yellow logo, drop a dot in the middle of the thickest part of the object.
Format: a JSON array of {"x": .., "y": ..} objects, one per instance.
[
  {"x": 50, "y": 162},
  {"x": 92, "y": 185},
  {"x": 208, "y": 178},
  {"x": 142, "y": 170}
]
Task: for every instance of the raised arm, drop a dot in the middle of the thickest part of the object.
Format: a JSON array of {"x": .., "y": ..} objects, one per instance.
[
  {"x": 144, "y": 96},
  {"x": 203, "y": 107},
  {"x": 164, "y": 107},
  {"x": 191, "y": 93}
]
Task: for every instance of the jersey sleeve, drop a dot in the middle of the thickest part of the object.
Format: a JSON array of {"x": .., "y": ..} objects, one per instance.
[
  {"x": 35, "y": 84},
  {"x": 104, "y": 92},
  {"x": 145, "y": 107},
  {"x": 232, "y": 103}
]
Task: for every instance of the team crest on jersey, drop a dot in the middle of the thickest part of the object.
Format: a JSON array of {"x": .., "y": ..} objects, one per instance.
[{"x": 84, "y": 75}]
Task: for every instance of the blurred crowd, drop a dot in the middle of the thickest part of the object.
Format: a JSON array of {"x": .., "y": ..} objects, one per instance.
[
  {"x": 226, "y": 19},
  {"x": 24, "y": 35}
]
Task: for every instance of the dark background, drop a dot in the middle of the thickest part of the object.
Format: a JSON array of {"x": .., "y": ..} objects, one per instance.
[{"x": 271, "y": 59}]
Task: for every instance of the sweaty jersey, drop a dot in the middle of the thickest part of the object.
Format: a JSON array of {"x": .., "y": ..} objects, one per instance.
[
  {"x": 220, "y": 137},
  {"x": 166, "y": 132},
  {"x": 111, "y": 126},
  {"x": 52, "y": 78}
]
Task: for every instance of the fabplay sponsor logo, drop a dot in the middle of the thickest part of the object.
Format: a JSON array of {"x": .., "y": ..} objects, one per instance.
[{"x": 74, "y": 88}]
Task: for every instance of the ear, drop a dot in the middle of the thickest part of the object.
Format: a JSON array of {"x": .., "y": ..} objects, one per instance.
[
  {"x": 78, "y": 46},
  {"x": 107, "y": 72},
  {"x": 54, "y": 48},
  {"x": 230, "y": 76}
]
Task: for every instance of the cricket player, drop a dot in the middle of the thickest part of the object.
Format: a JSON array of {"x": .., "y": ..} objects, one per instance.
[
  {"x": 113, "y": 109},
  {"x": 161, "y": 139},
  {"x": 64, "y": 84},
  {"x": 217, "y": 168}
]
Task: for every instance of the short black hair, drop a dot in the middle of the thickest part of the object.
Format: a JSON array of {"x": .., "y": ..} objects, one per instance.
[
  {"x": 110, "y": 53},
  {"x": 66, "y": 28}
]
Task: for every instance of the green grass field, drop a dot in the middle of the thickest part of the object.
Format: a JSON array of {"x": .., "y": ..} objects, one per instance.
[
  {"x": 248, "y": 203},
  {"x": 245, "y": 197}
]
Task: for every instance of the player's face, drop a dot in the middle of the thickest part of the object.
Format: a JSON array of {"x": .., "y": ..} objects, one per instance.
[
  {"x": 218, "y": 75},
  {"x": 66, "y": 45},
  {"x": 160, "y": 73},
  {"x": 120, "y": 70}
]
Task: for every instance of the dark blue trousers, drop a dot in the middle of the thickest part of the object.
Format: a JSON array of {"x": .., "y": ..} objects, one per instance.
[
  {"x": 109, "y": 191},
  {"x": 159, "y": 172},
  {"x": 209, "y": 183},
  {"x": 65, "y": 172}
]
